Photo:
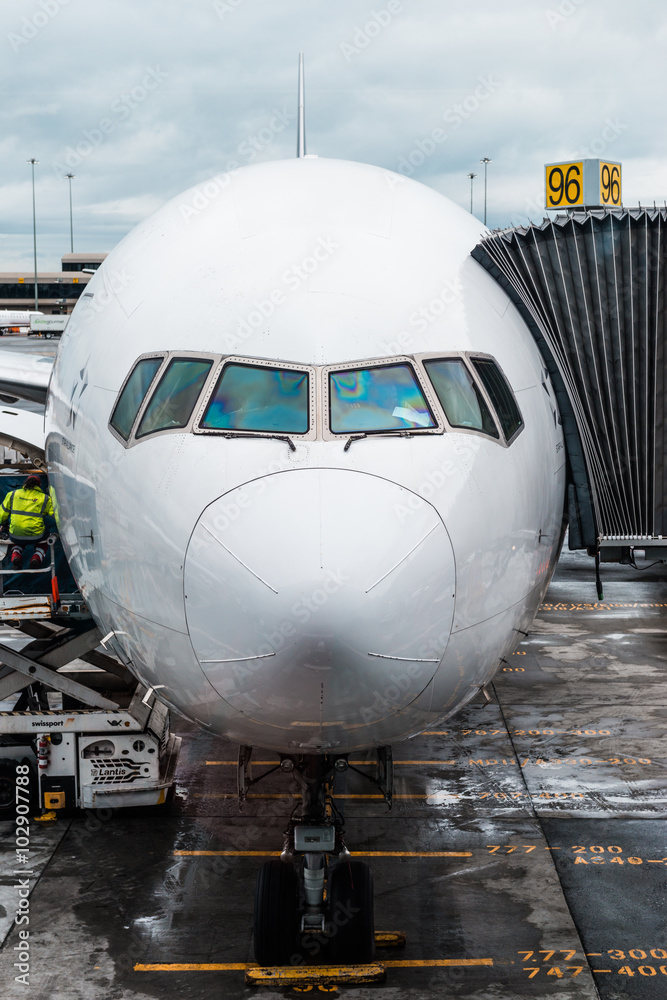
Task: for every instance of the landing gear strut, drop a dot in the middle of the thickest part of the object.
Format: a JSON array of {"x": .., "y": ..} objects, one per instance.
[{"x": 328, "y": 912}]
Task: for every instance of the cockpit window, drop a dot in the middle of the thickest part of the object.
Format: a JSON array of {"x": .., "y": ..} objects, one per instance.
[
  {"x": 133, "y": 394},
  {"x": 253, "y": 398},
  {"x": 500, "y": 395},
  {"x": 175, "y": 397},
  {"x": 461, "y": 400},
  {"x": 381, "y": 398}
]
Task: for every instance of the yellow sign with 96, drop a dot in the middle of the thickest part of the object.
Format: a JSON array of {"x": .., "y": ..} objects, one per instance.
[
  {"x": 610, "y": 183},
  {"x": 565, "y": 185},
  {"x": 582, "y": 184}
]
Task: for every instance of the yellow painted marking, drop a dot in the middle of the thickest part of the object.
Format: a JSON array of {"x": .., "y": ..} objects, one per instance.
[
  {"x": 595, "y": 607},
  {"x": 193, "y": 967},
  {"x": 321, "y": 971},
  {"x": 296, "y": 975},
  {"x": 411, "y": 854},
  {"x": 390, "y": 939},
  {"x": 355, "y": 854}
]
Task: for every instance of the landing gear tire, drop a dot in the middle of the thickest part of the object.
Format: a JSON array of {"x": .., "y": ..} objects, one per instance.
[
  {"x": 8, "y": 796},
  {"x": 351, "y": 913},
  {"x": 7, "y": 789},
  {"x": 276, "y": 901}
]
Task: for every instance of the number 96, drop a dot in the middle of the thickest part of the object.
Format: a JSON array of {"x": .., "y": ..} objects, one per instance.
[
  {"x": 564, "y": 188},
  {"x": 610, "y": 185}
]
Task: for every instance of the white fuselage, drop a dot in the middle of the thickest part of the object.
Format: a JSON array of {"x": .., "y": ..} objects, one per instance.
[
  {"x": 320, "y": 598},
  {"x": 16, "y": 317}
]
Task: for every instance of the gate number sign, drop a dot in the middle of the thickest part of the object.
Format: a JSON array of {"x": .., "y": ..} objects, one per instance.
[{"x": 582, "y": 184}]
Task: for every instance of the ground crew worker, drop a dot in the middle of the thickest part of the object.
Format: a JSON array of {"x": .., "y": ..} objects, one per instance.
[{"x": 25, "y": 509}]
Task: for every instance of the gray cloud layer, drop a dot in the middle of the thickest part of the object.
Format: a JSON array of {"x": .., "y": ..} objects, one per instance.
[{"x": 142, "y": 100}]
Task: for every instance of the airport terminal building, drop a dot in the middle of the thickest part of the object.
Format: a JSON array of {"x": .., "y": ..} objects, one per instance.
[{"x": 58, "y": 291}]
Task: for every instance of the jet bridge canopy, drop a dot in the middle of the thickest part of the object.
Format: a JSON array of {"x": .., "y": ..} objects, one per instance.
[{"x": 591, "y": 287}]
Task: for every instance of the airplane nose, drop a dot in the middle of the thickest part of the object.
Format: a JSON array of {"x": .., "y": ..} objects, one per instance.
[{"x": 319, "y": 598}]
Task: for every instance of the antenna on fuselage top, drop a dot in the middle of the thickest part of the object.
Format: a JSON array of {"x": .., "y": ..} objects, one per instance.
[{"x": 301, "y": 126}]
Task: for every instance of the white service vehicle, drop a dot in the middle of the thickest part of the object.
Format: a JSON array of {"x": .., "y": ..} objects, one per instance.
[
  {"x": 84, "y": 731},
  {"x": 48, "y": 326}
]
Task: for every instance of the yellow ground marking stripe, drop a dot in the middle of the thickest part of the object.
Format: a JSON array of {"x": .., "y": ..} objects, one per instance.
[
  {"x": 318, "y": 970},
  {"x": 314, "y": 974},
  {"x": 390, "y": 939},
  {"x": 226, "y": 854},
  {"x": 355, "y": 854},
  {"x": 192, "y": 967}
]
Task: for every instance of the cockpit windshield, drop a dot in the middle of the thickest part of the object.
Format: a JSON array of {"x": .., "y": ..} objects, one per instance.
[
  {"x": 174, "y": 399},
  {"x": 133, "y": 394},
  {"x": 234, "y": 396},
  {"x": 461, "y": 400},
  {"x": 251, "y": 398},
  {"x": 380, "y": 398}
]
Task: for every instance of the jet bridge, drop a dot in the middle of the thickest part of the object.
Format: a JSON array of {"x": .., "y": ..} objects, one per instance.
[{"x": 591, "y": 287}]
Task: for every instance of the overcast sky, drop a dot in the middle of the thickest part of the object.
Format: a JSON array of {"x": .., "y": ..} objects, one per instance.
[{"x": 141, "y": 100}]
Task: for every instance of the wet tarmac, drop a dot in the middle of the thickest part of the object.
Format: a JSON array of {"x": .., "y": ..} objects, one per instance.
[{"x": 525, "y": 855}]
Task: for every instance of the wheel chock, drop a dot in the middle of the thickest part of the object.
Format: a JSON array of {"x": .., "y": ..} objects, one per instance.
[
  {"x": 390, "y": 939},
  {"x": 314, "y": 975},
  {"x": 50, "y": 816}
]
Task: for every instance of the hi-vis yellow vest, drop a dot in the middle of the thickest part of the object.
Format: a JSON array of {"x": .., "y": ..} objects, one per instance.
[{"x": 25, "y": 510}]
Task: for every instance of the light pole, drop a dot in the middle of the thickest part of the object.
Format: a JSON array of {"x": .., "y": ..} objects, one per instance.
[
  {"x": 71, "y": 224},
  {"x": 486, "y": 162},
  {"x": 33, "y": 161},
  {"x": 472, "y": 177}
]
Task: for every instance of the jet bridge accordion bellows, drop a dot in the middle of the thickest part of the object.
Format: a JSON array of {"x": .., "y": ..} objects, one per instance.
[{"x": 591, "y": 287}]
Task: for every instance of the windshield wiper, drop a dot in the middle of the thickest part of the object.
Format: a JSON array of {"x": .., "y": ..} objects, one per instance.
[
  {"x": 276, "y": 437},
  {"x": 358, "y": 437}
]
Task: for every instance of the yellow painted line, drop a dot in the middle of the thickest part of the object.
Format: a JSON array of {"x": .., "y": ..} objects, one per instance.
[
  {"x": 390, "y": 939},
  {"x": 192, "y": 967},
  {"x": 315, "y": 974},
  {"x": 411, "y": 854},
  {"x": 355, "y": 854},
  {"x": 320, "y": 970}
]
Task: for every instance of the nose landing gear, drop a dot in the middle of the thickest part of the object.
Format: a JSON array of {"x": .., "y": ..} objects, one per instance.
[{"x": 327, "y": 913}]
